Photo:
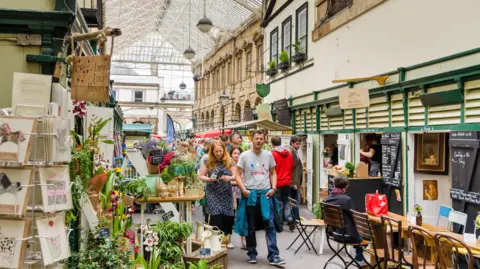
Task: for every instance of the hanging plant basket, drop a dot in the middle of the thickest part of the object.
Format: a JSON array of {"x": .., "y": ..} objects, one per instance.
[
  {"x": 284, "y": 66},
  {"x": 299, "y": 57},
  {"x": 272, "y": 72}
]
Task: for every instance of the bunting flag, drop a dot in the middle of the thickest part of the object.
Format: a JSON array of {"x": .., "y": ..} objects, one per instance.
[{"x": 170, "y": 130}]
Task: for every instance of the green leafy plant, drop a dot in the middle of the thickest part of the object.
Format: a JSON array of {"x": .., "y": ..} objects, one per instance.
[
  {"x": 91, "y": 142},
  {"x": 284, "y": 57},
  {"x": 272, "y": 65},
  {"x": 297, "y": 48},
  {"x": 202, "y": 264},
  {"x": 351, "y": 168},
  {"x": 417, "y": 208},
  {"x": 317, "y": 210},
  {"x": 137, "y": 188}
]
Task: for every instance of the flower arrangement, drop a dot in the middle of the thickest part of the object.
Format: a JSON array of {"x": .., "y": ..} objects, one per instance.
[
  {"x": 79, "y": 108},
  {"x": 477, "y": 221},
  {"x": 326, "y": 152},
  {"x": 417, "y": 208}
]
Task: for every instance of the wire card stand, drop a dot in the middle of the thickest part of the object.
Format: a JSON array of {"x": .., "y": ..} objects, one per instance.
[{"x": 33, "y": 256}]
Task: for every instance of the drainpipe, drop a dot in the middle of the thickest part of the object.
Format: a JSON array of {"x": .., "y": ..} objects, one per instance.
[{"x": 401, "y": 78}]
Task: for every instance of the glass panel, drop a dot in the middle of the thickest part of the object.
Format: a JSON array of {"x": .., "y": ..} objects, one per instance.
[{"x": 138, "y": 96}]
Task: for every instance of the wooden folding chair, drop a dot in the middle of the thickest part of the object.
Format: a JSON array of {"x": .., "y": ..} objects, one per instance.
[
  {"x": 336, "y": 232},
  {"x": 364, "y": 229},
  {"x": 302, "y": 225},
  {"x": 450, "y": 249},
  {"x": 393, "y": 257},
  {"x": 422, "y": 241}
]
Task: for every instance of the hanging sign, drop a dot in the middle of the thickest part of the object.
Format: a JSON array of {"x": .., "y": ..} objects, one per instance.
[
  {"x": 283, "y": 112},
  {"x": 91, "y": 78},
  {"x": 263, "y": 111},
  {"x": 353, "y": 98}
]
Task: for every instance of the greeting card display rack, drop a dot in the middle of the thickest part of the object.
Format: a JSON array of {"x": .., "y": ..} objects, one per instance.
[{"x": 33, "y": 254}]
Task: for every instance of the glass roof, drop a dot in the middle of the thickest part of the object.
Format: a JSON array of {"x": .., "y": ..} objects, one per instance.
[{"x": 156, "y": 31}]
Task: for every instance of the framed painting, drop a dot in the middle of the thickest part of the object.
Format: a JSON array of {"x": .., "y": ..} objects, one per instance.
[
  {"x": 430, "y": 190},
  {"x": 14, "y": 197},
  {"x": 55, "y": 187},
  {"x": 15, "y": 138},
  {"x": 12, "y": 250},
  {"x": 431, "y": 153},
  {"x": 53, "y": 238}
]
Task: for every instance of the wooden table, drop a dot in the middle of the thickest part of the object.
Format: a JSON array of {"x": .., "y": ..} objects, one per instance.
[
  {"x": 376, "y": 221},
  {"x": 185, "y": 203}
]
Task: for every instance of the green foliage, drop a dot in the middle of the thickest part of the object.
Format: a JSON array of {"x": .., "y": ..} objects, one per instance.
[
  {"x": 417, "y": 208},
  {"x": 179, "y": 167},
  {"x": 78, "y": 193},
  {"x": 317, "y": 210},
  {"x": 103, "y": 253},
  {"x": 284, "y": 57},
  {"x": 297, "y": 48},
  {"x": 272, "y": 65},
  {"x": 137, "y": 188},
  {"x": 169, "y": 231},
  {"x": 202, "y": 264},
  {"x": 83, "y": 160},
  {"x": 351, "y": 168},
  {"x": 91, "y": 143}
]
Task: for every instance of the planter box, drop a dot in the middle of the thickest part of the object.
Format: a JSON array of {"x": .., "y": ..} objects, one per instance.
[
  {"x": 284, "y": 66},
  {"x": 299, "y": 58},
  {"x": 272, "y": 72},
  {"x": 220, "y": 258}
]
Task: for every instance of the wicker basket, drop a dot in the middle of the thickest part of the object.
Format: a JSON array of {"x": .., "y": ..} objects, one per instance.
[{"x": 220, "y": 258}]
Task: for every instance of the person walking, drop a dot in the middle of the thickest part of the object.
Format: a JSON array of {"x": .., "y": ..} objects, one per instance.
[
  {"x": 258, "y": 207},
  {"x": 216, "y": 172},
  {"x": 237, "y": 193},
  {"x": 284, "y": 168},
  {"x": 297, "y": 173}
]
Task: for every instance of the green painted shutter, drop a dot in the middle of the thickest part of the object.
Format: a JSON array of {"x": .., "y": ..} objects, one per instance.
[
  {"x": 378, "y": 113},
  {"x": 361, "y": 121},
  {"x": 335, "y": 123},
  {"x": 396, "y": 102},
  {"x": 444, "y": 114},
  {"x": 298, "y": 121},
  {"x": 310, "y": 120},
  {"x": 416, "y": 111},
  {"x": 348, "y": 118},
  {"x": 323, "y": 119},
  {"x": 472, "y": 101}
]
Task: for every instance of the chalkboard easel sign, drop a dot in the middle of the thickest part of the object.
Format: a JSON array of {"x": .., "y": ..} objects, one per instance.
[
  {"x": 283, "y": 112},
  {"x": 392, "y": 159}
]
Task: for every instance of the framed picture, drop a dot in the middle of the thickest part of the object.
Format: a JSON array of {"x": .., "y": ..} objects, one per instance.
[
  {"x": 430, "y": 190},
  {"x": 53, "y": 238},
  {"x": 13, "y": 197},
  {"x": 431, "y": 153},
  {"x": 55, "y": 188},
  {"x": 12, "y": 250},
  {"x": 15, "y": 139}
]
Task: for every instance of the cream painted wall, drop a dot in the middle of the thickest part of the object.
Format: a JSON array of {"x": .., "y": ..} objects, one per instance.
[
  {"x": 46, "y": 5},
  {"x": 397, "y": 33}
]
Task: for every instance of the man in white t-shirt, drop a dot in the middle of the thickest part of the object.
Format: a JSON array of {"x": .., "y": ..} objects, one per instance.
[{"x": 258, "y": 187}]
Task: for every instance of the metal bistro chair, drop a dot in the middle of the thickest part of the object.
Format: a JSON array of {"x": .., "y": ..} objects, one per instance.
[
  {"x": 364, "y": 228},
  {"x": 450, "y": 249},
  {"x": 336, "y": 232},
  {"x": 302, "y": 225},
  {"x": 393, "y": 257},
  {"x": 444, "y": 212},
  {"x": 420, "y": 243},
  {"x": 459, "y": 218}
]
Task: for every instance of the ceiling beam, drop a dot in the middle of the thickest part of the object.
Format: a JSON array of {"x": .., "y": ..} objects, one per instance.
[
  {"x": 150, "y": 62},
  {"x": 244, "y": 4}
]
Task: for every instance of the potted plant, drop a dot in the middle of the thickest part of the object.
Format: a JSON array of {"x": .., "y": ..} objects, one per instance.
[
  {"x": 299, "y": 56},
  {"x": 418, "y": 209},
  {"x": 284, "y": 64},
  {"x": 351, "y": 169},
  {"x": 202, "y": 264},
  {"x": 272, "y": 68}
]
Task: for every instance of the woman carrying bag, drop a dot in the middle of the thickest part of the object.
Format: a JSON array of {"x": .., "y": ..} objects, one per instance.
[{"x": 216, "y": 172}]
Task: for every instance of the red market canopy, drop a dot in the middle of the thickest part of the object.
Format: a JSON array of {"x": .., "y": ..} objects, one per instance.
[
  {"x": 156, "y": 136},
  {"x": 212, "y": 133}
]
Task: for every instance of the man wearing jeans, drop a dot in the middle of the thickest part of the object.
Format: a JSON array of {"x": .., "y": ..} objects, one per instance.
[
  {"x": 256, "y": 208},
  {"x": 297, "y": 173}
]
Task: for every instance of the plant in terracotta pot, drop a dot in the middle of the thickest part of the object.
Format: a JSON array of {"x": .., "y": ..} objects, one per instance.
[
  {"x": 418, "y": 209},
  {"x": 272, "y": 68},
  {"x": 284, "y": 64}
]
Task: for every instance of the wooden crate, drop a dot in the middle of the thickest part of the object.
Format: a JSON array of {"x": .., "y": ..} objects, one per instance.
[{"x": 220, "y": 258}]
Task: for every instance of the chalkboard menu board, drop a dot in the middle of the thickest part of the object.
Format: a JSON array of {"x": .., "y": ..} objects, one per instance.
[
  {"x": 392, "y": 159},
  {"x": 283, "y": 112},
  {"x": 330, "y": 184},
  {"x": 248, "y": 115}
]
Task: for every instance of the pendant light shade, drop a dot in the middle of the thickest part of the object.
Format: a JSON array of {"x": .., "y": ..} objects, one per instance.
[
  {"x": 183, "y": 86},
  {"x": 189, "y": 53},
  {"x": 205, "y": 25}
]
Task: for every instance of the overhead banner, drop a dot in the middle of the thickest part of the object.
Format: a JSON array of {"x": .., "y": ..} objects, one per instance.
[
  {"x": 170, "y": 130},
  {"x": 263, "y": 111},
  {"x": 353, "y": 98}
]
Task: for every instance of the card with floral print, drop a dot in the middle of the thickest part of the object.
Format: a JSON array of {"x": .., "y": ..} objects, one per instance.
[
  {"x": 12, "y": 247},
  {"x": 55, "y": 188},
  {"x": 53, "y": 238}
]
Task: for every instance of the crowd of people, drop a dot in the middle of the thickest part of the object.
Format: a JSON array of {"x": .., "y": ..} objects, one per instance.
[{"x": 248, "y": 186}]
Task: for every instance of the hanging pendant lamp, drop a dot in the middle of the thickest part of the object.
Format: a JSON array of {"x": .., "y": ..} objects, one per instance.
[
  {"x": 205, "y": 24},
  {"x": 189, "y": 52},
  {"x": 183, "y": 86}
]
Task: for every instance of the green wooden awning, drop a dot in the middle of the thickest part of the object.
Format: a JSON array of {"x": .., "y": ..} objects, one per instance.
[{"x": 137, "y": 127}]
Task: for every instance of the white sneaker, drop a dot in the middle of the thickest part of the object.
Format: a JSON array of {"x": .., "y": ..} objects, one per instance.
[{"x": 230, "y": 246}]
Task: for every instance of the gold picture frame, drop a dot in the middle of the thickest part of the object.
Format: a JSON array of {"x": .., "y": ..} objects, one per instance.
[{"x": 431, "y": 153}]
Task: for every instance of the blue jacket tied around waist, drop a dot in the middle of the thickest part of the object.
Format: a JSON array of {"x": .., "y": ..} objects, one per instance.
[{"x": 241, "y": 221}]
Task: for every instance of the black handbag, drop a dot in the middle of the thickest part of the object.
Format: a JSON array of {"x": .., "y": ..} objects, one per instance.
[{"x": 278, "y": 220}]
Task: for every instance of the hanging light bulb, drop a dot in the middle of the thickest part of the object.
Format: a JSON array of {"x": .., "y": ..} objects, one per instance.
[
  {"x": 205, "y": 24},
  {"x": 189, "y": 52},
  {"x": 183, "y": 86}
]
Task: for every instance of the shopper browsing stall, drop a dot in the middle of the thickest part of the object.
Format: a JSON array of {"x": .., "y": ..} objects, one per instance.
[
  {"x": 258, "y": 201},
  {"x": 216, "y": 171}
]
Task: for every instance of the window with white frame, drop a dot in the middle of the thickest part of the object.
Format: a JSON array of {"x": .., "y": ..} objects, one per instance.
[
  {"x": 287, "y": 36},
  {"x": 301, "y": 26},
  {"x": 138, "y": 96},
  {"x": 274, "y": 45}
]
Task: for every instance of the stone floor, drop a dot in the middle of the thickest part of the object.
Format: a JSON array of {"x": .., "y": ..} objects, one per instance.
[{"x": 237, "y": 258}]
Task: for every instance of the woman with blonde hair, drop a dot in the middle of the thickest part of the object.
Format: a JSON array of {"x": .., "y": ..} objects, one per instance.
[{"x": 216, "y": 172}]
